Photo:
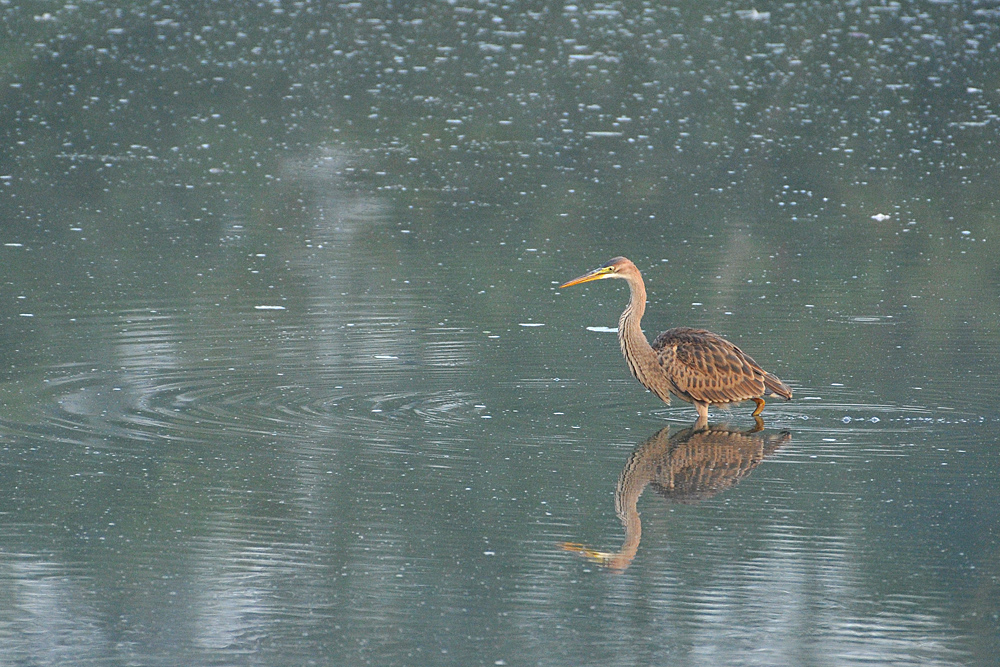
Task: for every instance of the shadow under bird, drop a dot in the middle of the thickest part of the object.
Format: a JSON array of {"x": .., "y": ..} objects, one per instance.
[{"x": 694, "y": 365}]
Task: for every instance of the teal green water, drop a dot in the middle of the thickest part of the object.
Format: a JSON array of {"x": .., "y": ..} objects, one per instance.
[{"x": 286, "y": 377}]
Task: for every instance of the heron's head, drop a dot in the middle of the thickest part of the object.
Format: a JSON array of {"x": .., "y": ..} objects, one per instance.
[{"x": 619, "y": 267}]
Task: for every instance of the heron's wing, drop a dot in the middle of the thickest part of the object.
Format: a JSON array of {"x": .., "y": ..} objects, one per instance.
[{"x": 706, "y": 367}]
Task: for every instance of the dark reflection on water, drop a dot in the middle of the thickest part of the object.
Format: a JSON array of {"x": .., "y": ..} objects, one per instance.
[{"x": 687, "y": 467}]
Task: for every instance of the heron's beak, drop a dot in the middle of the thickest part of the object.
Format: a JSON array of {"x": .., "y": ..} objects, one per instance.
[{"x": 596, "y": 274}]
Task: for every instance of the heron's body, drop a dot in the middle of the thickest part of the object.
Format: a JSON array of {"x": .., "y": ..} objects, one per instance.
[{"x": 695, "y": 365}]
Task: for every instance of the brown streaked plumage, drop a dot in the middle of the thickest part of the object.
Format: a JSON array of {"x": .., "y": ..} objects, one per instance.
[{"x": 694, "y": 365}]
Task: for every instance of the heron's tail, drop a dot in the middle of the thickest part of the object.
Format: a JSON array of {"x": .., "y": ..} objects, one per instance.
[{"x": 777, "y": 387}]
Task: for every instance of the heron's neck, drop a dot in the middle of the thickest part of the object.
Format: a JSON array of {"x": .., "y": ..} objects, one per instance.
[{"x": 635, "y": 347}]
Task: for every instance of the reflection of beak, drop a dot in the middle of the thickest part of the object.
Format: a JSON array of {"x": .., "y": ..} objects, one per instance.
[
  {"x": 596, "y": 274},
  {"x": 602, "y": 558}
]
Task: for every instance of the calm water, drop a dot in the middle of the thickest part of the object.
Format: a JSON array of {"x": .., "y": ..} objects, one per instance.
[{"x": 286, "y": 377}]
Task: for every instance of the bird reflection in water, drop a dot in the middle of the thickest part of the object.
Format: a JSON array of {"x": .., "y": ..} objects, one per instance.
[{"x": 688, "y": 467}]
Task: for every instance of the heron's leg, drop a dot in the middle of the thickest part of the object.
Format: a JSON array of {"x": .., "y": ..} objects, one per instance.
[
  {"x": 702, "y": 411},
  {"x": 760, "y": 406}
]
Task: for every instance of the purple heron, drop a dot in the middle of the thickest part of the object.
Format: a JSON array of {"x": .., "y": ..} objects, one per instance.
[{"x": 694, "y": 365}]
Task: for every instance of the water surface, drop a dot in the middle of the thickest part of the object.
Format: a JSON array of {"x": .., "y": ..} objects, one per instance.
[{"x": 287, "y": 377}]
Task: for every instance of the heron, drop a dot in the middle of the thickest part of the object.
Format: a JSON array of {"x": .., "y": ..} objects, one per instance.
[{"x": 694, "y": 365}]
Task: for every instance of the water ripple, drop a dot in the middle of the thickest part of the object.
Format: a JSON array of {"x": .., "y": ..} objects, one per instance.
[{"x": 83, "y": 405}]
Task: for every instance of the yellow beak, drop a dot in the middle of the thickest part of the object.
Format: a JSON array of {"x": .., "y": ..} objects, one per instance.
[{"x": 596, "y": 274}]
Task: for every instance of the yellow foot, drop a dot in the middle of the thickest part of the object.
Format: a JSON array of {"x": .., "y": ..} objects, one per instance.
[{"x": 760, "y": 406}]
